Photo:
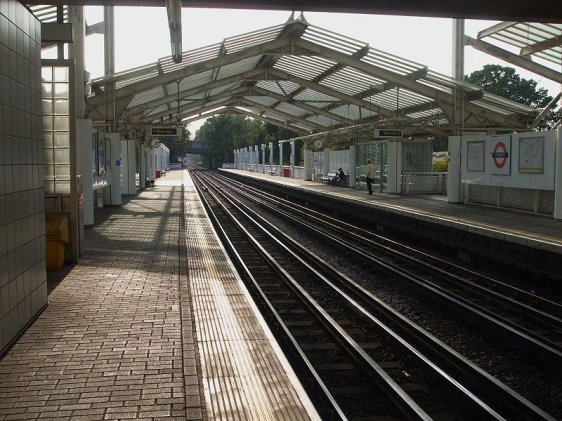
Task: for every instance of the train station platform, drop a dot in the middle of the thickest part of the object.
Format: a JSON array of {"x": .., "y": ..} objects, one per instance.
[
  {"x": 538, "y": 231},
  {"x": 152, "y": 323},
  {"x": 496, "y": 227}
]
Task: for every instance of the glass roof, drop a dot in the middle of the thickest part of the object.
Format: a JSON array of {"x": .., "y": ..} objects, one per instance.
[
  {"x": 539, "y": 40},
  {"x": 305, "y": 77}
]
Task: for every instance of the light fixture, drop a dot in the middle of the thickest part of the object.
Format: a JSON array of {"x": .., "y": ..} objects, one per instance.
[{"x": 173, "y": 8}]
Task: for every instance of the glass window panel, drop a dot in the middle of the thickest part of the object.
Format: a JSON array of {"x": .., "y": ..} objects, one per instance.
[
  {"x": 61, "y": 123},
  {"x": 47, "y": 73},
  {"x": 61, "y": 90},
  {"x": 61, "y": 74},
  {"x": 47, "y": 90},
  {"x": 62, "y": 172},
  {"x": 62, "y": 156},
  {"x": 49, "y": 157},
  {"x": 63, "y": 187},
  {"x": 62, "y": 139},
  {"x": 61, "y": 106},
  {"x": 47, "y": 124},
  {"x": 47, "y": 107},
  {"x": 48, "y": 139}
]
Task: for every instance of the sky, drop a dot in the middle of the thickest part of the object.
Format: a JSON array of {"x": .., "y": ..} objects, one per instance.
[{"x": 142, "y": 36}]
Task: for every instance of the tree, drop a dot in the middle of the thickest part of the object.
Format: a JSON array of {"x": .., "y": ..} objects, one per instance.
[
  {"x": 225, "y": 133},
  {"x": 503, "y": 81},
  {"x": 177, "y": 147}
]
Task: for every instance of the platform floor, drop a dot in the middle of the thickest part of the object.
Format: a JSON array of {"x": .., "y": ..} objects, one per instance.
[
  {"x": 149, "y": 326},
  {"x": 537, "y": 231}
]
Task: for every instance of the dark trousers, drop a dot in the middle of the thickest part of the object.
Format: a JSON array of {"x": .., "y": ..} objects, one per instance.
[{"x": 370, "y": 185}]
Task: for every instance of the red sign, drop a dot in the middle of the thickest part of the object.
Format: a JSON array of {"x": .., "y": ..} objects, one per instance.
[{"x": 500, "y": 155}]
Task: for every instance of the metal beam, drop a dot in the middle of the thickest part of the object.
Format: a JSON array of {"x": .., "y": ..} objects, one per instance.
[
  {"x": 270, "y": 47},
  {"x": 249, "y": 75},
  {"x": 196, "y": 103},
  {"x": 513, "y": 59},
  {"x": 402, "y": 81},
  {"x": 301, "y": 104},
  {"x": 517, "y": 10},
  {"x": 289, "y": 117},
  {"x": 546, "y": 110},
  {"x": 281, "y": 75},
  {"x": 541, "y": 46},
  {"x": 495, "y": 28}
]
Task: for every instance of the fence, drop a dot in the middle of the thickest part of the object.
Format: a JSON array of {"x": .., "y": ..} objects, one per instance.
[{"x": 424, "y": 182}]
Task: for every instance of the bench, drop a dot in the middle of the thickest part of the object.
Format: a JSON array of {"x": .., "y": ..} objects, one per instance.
[
  {"x": 328, "y": 178},
  {"x": 271, "y": 172}
]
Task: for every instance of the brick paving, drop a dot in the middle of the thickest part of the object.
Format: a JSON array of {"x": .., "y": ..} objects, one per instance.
[{"x": 116, "y": 341}]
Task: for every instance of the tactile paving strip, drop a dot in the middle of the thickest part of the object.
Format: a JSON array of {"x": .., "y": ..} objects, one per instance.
[{"x": 243, "y": 377}]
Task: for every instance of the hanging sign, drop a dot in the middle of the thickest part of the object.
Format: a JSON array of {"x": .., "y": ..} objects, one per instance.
[
  {"x": 388, "y": 133},
  {"x": 165, "y": 131}
]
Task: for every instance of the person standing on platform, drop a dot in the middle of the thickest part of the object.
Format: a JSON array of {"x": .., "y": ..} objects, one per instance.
[{"x": 370, "y": 177}]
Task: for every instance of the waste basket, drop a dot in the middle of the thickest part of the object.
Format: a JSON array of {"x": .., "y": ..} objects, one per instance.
[
  {"x": 286, "y": 171},
  {"x": 157, "y": 173},
  {"x": 56, "y": 227}
]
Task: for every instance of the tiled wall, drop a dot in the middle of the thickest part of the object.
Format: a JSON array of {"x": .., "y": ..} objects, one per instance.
[{"x": 23, "y": 286}]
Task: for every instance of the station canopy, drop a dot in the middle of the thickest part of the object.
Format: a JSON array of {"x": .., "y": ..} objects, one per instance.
[{"x": 305, "y": 78}]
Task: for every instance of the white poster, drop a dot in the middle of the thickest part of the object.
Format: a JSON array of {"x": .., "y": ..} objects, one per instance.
[
  {"x": 531, "y": 155},
  {"x": 475, "y": 156}
]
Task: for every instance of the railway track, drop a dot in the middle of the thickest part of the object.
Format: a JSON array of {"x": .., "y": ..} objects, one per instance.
[
  {"x": 523, "y": 318},
  {"x": 359, "y": 356}
]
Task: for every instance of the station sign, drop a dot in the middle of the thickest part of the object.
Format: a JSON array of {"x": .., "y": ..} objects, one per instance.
[
  {"x": 389, "y": 133},
  {"x": 165, "y": 131}
]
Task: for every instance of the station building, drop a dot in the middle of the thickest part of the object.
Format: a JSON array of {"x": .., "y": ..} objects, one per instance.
[{"x": 69, "y": 144}]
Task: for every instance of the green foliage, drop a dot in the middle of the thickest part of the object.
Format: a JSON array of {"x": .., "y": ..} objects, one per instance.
[
  {"x": 177, "y": 147},
  {"x": 503, "y": 81},
  {"x": 440, "y": 164},
  {"x": 225, "y": 133}
]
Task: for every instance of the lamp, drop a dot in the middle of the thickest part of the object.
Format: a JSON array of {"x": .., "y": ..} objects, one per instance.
[{"x": 173, "y": 8}]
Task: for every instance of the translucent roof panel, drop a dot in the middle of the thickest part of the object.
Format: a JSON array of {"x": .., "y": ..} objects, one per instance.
[
  {"x": 249, "y": 39},
  {"x": 353, "y": 112},
  {"x": 426, "y": 113},
  {"x": 311, "y": 95},
  {"x": 48, "y": 14},
  {"x": 160, "y": 109},
  {"x": 333, "y": 40},
  {"x": 323, "y": 120},
  {"x": 282, "y": 87},
  {"x": 147, "y": 96},
  {"x": 291, "y": 109},
  {"x": 391, "y": 62},
  {"x": 541, "y": 40},
  {"x": 263, "y": 100},
  {"x": 397, "y": 98},
  {"x": 305, "y": 67},
  {"x": 351, "y": 81},
  {"x": 368, "y": 84},
  {"x": 194, "y": 56},
  {"x": 238, "y": 67},
  {"x": 196, "y": 80},
  {"x": 222, "y": 89}
]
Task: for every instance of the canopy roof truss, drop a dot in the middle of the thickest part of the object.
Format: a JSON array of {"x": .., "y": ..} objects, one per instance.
[{"x": 304, "y": 78}]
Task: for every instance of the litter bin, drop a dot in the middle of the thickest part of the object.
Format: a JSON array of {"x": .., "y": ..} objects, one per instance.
[
  {"x": 56, "y": 227},
  {"x": 286, "y": 171},
  {"x": 157, "y": 173}
]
